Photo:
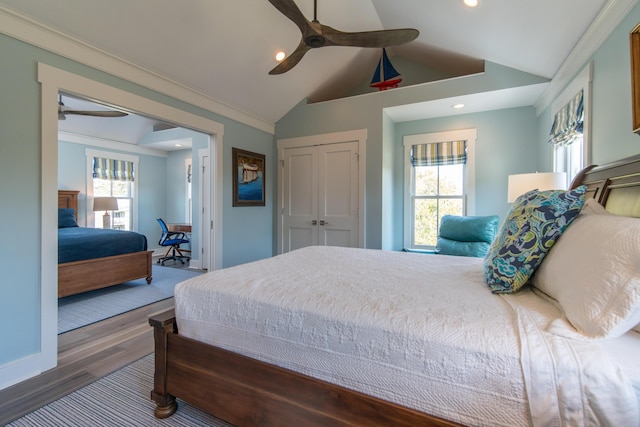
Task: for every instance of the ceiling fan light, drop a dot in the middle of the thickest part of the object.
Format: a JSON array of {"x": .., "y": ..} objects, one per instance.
[{"x": 280, "y": 55}]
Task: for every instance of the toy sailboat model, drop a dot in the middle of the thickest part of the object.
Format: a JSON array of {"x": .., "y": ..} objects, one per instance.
[{"x": 385, "y": 76}]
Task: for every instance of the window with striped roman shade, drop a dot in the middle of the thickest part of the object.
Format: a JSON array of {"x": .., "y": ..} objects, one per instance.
[
  {"x": 439, "y": 153},
  {"x": 113, "y": 170},
  {"x": 568, "y": 122}
]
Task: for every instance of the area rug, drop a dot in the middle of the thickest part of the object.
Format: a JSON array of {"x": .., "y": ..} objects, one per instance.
[
  {"x": 84, "y": 309},
  {"x": 119, "y": 399}
]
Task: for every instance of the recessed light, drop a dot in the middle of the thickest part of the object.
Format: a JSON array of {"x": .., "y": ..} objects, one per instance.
[
  {"x": 458, "y": 106},
  {"x": 178, "y": 145},
  {"x": 471, "y": 3},
  {"x": 280, "y": 56}
]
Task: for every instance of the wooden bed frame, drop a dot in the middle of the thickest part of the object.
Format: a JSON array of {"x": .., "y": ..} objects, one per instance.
[
  {"x": 244, "y": 391},
  {"x": 82, "y": 276}
]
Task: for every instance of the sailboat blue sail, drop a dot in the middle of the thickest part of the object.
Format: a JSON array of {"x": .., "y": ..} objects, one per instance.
[{"x": 385, "y": 76}]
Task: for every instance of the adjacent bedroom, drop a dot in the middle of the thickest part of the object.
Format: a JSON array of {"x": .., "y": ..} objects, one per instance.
[{"x": 126, "y": 188}]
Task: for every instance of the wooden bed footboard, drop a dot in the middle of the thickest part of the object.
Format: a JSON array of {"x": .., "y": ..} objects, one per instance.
[
  {"x": 88, "y": 275},
  {"x": 247, "y": 392},
  {"x": 82, "y": 276}
]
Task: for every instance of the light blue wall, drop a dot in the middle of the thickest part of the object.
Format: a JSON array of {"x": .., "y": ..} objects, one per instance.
[
  {"x": 152, "y": 191},
  {"x": 612, "y": 137},
  {"x": 366, "y": 112},
  {"x": 246, "y": 237},
  {"x": 72, "y": 174},
  {"x": 242, "y": 234},
  {"x": 176, "y": 186},
  {"x": 506, "y": 144}
]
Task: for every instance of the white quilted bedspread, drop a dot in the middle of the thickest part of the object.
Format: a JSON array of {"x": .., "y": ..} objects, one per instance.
[{"x": 420, "y": 330}]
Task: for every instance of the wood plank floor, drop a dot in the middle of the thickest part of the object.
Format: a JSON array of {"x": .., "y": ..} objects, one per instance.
[{"x": 84, "y": 355}]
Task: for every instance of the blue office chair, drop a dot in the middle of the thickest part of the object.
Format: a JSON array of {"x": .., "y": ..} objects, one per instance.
[{"x": 172, "y": 240}]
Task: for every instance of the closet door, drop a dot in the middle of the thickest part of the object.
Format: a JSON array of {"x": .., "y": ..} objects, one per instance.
[
  {"x": 300, "y": 198},
  {"x": 320, "y": 196},
  {"x": 338, "y": 194}
]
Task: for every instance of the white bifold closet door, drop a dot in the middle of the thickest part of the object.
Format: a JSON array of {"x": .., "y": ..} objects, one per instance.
[{"x": 320, "y": 196}]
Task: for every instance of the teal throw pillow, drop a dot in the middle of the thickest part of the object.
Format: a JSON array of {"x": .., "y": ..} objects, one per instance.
[
  {"x": 466, "y": 235},
  {"x": 535, "y": 222}
]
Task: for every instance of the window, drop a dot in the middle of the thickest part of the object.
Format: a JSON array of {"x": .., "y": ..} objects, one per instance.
[
  {"x": 113, "y": 175},
  {"x": 436, "y": 191},
  {"x": 436, "y": 183},
  {"x": 122, "y": 219},
  {"x": 569, "y": 133},
  {"x": 570, "y": 158}
]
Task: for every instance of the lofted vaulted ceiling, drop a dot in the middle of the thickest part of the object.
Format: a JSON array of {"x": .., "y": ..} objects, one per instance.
[{"x": 224, "y": 49}]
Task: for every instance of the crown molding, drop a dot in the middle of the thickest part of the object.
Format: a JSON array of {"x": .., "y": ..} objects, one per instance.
[
  {"x": 34, "y": 33},
  {"x": 607, "y": 20}
]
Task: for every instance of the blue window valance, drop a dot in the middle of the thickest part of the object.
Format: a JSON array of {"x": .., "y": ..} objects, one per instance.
[
  {"x": 439, "y": 153},
  {"x": 568, "y": 122},
  {"x": 113, "y": 170}
]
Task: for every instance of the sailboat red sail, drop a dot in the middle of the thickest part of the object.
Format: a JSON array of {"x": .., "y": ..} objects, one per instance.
[{"x": 385, "y": 76}]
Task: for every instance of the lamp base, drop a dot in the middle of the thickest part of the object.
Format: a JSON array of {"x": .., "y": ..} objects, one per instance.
[{"x": 106, "y": 220}]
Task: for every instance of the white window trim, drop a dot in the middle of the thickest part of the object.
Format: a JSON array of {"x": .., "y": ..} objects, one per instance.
[
  {"x": 469, "y": 135},
  {"x": 90, "y": 154},
  {"x": 582, "y": 81}
]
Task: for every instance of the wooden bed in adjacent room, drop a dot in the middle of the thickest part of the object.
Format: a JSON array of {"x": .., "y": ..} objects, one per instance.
[
  {"x": 90, "y": 274},
  {"x": 487, "y": 359}
]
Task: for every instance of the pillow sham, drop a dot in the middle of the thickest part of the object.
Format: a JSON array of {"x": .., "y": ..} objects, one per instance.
[
  {"x": 533, "y": 225},
  {"x": 66, "y": 218},
  {"x": 593, "y": 271}
]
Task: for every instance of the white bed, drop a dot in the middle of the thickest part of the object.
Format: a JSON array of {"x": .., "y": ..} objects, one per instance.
[
  {"x": 351, "y": 337},
  {"x": 423, "y": 331}
]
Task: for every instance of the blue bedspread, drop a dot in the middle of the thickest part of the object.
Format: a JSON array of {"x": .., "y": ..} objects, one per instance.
[{"x": 78, "y": 243}]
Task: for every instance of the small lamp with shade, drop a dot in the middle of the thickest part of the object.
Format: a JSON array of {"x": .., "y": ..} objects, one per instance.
[
  {"x": 105, "y": 204},
  {"x": 520, "y": 184}
]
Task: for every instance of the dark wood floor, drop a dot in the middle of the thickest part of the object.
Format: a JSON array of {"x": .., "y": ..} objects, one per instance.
[{"x": 84, "y": 355}]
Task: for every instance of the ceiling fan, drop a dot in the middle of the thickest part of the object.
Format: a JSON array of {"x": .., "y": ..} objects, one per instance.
[
  {"x": 63, "y": 110},
  {"x": 315, "y": 35}
]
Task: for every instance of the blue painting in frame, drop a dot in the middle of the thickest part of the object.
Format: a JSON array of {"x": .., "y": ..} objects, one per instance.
[{"x": 248, "y": 178}]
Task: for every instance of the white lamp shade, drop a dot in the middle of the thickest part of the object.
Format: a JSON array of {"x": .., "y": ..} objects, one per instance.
[
  {"x": 105, "y": 204},
  {"x": 520, "y": 184}
]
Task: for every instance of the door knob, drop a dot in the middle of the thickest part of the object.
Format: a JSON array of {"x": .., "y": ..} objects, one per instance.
[
  {"x": 322, "y": 222},
  {"x": 314, "y": 222}
]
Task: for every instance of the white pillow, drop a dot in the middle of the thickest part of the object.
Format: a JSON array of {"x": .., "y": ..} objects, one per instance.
[
  {"x": 591, "y": 207},
  {"x": 593, "y": 271}
]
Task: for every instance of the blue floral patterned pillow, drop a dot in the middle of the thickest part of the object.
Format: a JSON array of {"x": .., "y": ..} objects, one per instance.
[{"x": 533, "y": 225}]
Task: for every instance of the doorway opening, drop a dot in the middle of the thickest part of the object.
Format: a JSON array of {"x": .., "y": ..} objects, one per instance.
[{"x": 54, "y": 81}]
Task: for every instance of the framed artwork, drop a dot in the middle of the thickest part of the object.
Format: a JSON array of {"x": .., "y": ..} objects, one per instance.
[
  {"x": 635, "y": 78},
  {"x": 248, "y": 178}
]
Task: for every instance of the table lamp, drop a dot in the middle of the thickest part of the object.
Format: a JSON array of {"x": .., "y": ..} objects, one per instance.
[
  {"x": 105, "y": 204},
  {"x": 520, "y": 184}
]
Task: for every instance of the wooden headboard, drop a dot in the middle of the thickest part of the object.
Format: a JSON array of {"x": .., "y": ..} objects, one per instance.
[
  {"x": 616, "y": 185},
  {"x": 68, "y": 199}
]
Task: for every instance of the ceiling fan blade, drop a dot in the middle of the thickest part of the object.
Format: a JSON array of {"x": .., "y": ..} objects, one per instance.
[
  {"x": 96, "y": 113},
  {"x": 289, "y": 9},
  {"x": 292, "y": 60},
  {"x": 381, "y": 38}
]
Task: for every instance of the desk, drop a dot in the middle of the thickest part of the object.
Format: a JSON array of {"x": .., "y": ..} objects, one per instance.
[{"x": 185, "y": 228}]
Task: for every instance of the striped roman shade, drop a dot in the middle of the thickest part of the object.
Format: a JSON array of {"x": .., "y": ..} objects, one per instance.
[
  {"x": 439, "y": 153},
  {"x": 568, "y": 122},
  {"x": 113, "y": 170}
]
